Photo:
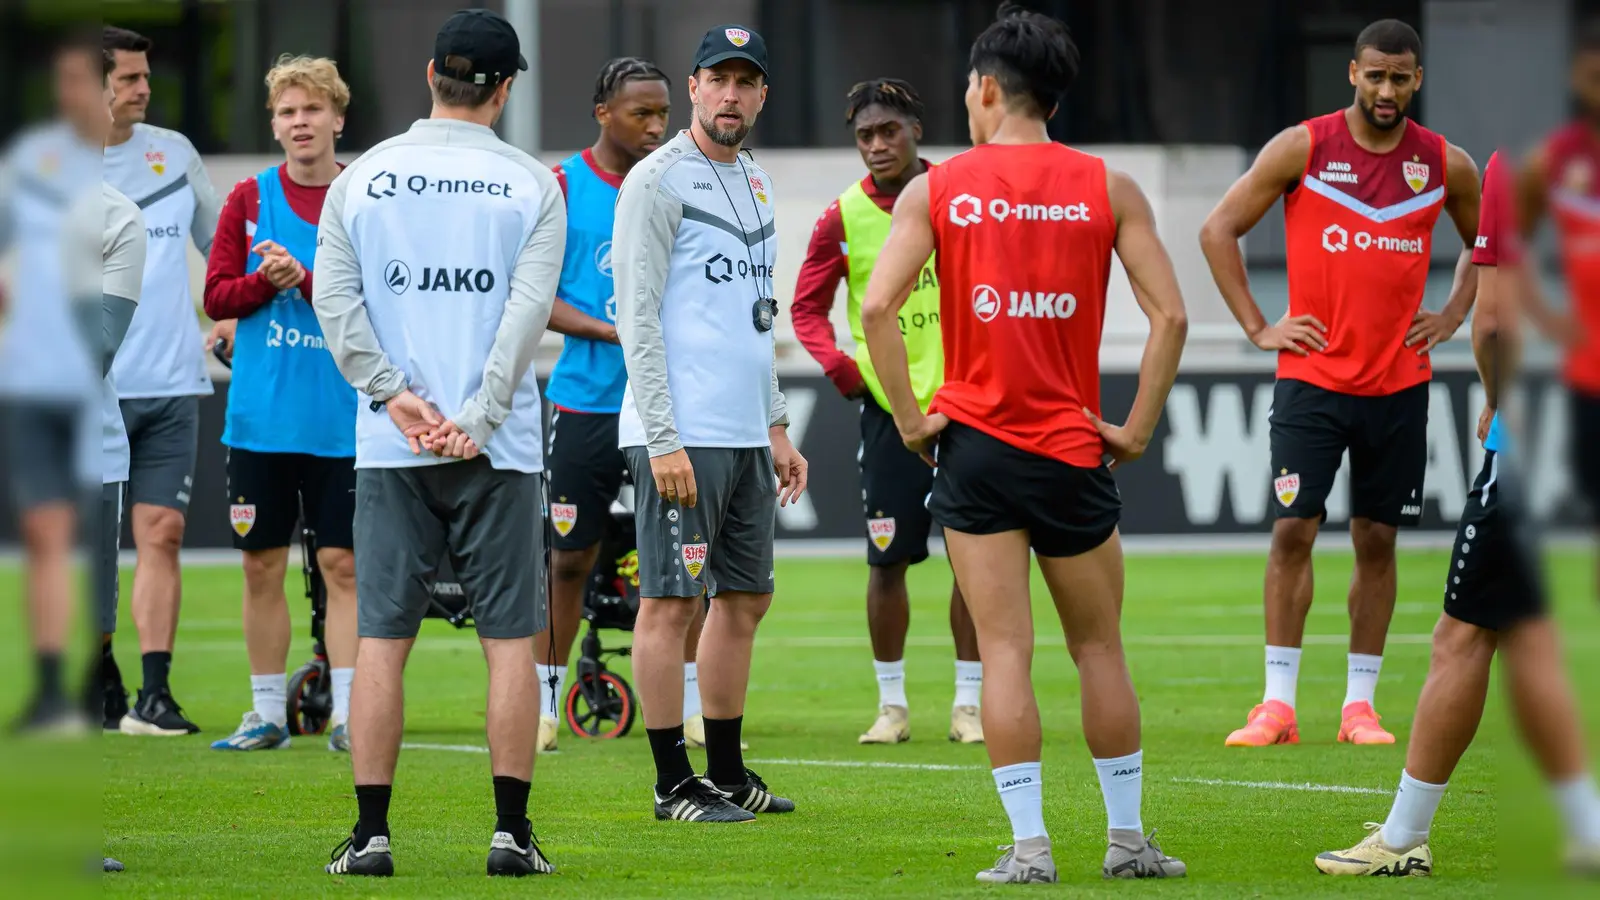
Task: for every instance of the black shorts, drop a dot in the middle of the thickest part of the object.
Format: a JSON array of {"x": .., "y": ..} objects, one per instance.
[
  {"x": 266, "y": 490},
  {"x": 1494, "y": 579},
  {"x": 894, "y": 492},
  {"x": 986, "y": 486},
  {"x": 1585, "y": 448},
  {"x": 585, "y": 468},
  {"x": 1387, "y": 437}
]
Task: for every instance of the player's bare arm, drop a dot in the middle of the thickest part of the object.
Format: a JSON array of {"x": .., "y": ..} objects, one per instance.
[
  {"x": 1531, "y": 202},
  {"x": 569, "y": 320},
  {"x": 1155, "y": 287},
  {"x": 1279, "y": 164},
  {"x": 1429, "y": 329},
  {"x": 909, "y": 245}
]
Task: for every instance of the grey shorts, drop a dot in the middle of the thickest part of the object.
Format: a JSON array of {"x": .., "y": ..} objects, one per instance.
[
  {"x": 163, "y": 440},
  {"x": 108, "y": 545},
  {"x": 488, "y": 523},
  {"x": 722, "y": 543},
  {"x": 43, "y": 452}
]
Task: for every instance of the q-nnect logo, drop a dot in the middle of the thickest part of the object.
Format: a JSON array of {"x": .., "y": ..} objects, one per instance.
[
  {"x": 966, "y": 210},
  {"x": 985, "y": 302},
  {"x": 382, "y": 185},
  {"x": 397, "y": 275},
  {"x": 719, "y": 269},
  {"x": 1335, "y": 239}
]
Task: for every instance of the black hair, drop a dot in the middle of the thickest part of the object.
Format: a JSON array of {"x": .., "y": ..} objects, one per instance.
[
  {"x": 1587, "y": 40},
  {"x": 890, "y": 93},
  {"x": 1030, "y": 54},
  {"x": 617, "y": 73},
  {"x": 1391, "y": 37},
  {"x": 113, "y": 38}
]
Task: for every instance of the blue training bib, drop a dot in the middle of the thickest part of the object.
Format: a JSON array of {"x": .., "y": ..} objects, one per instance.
[
  {"x": 590, "y": 375},
  {"x": 287, "y": 395}
]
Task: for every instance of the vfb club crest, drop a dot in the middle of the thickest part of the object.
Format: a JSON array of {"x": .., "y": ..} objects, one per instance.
[
  {"x": 881, "y": 532},
  {"x": 1287, "y": 487},
  {"x": 737, "y": 36},
  {"x": 563, "y": 516},
  {"x": 1416, "y": 174},
  {"x": 694, "y": 558},
  {"x": 242, "y": 516}
]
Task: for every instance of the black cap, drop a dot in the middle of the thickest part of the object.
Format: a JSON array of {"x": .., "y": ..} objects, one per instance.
[
  {"x": 484, "y": 38},
  {"x": 726, "y": 42}
]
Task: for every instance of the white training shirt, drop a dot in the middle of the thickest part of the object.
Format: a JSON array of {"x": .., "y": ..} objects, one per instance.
[
  {"x": 123, "y": 247},
  {"x": 42, "y": 352},
  {"x": 437, "y": 263},
  {"x": 162, "y": 174},
  {"x": 693, "y": 249}
]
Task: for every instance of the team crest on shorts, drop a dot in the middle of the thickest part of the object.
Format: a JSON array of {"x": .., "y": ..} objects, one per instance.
[
  {"x": 1416, "y": 174},
  {"x": 1287, "y": 487},
  {"x": 737, "y": 36},
  {"x": 563, "y": 516},
  {"x": 694, "y": 558},
  {"x": 243, "y": 517},
  {"x": 881, "y": 532}
]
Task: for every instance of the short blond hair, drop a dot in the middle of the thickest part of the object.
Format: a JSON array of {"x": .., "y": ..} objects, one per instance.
[{"x": 316, "y": 74}]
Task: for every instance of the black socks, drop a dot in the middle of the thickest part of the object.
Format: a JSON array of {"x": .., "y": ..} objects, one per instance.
[
  {"x": 156, "y": 667},
  {"x": 724, "y": 759},
  {"x": 671, "y": 755},
  {"x": 373, "y": 801},
  {"x": 511, "y": 808}
]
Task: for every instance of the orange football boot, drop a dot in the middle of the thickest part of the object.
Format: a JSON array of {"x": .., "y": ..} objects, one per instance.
[
  {"x": 1270, "y": 723},
  {"x": 1360, "y": 725}
]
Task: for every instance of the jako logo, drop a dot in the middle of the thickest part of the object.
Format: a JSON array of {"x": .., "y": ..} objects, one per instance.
[
  {"x": 985, "y": 302},
  {"x": 1335, "y": 239},
  {"x": 1027, "y": 779},
  {"x": 397, "y": 275},
  {"x": 456, "y": 280},
  {"x": 966, "y": 209},
  {"x": 1023, "y": 304},
  {"x": 1133, "y": 771}
]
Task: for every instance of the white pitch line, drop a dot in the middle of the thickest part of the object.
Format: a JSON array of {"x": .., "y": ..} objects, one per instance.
[
  {"x": 867, "y": 764},
  {"x": 1286, "y": 786},
  {"x": 451, "y": 748}
]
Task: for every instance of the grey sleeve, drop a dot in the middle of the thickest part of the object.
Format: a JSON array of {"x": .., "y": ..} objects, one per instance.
[
  {"x": 780, "y": 406},
  {"x": 116, "y": 314},
  {"x": 341, "y": 308},
  {"x": 207, "y": 207},
  {"x": 645, "y": 228},
  {"x": 8, "y": 228},
  {"x": 534, "y": 277}
]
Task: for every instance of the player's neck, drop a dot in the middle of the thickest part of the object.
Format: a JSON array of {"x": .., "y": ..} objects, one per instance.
[
  {"x": 317, "y": 173},
  {"x": 483, "y": 115},
  {"x": 714, "y": 151},
  {"x": 1020, "y": 130},
  {"x": 610, "y": 159},
  {"x": 898, "y": 183},
  {"x": 1370, "y": 137},
  {"x": 119, "y": 134}
]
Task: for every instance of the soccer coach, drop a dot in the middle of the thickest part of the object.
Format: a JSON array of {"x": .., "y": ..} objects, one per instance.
[
  {"x": 437, "y": 264},
  {"x": 703, "y": 421}
]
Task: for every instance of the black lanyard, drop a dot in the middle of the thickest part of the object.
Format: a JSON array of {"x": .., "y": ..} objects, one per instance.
[{"x": 765, "y": 309}]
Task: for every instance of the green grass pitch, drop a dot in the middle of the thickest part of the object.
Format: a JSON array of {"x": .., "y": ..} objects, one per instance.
[{"x": 918, "y": 819}]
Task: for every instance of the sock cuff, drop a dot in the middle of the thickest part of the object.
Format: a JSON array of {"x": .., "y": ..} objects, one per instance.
[
  {"x": 269, "y": 681},
  {"x": 968, "y": 669},
  {"x": 888, "y": 670},
  {"x": 510, "y": 779},
  {"x": 691, "y": 670},
  {"x": 1292, "y": 653},
  {"x": 1364, "y": 659},
  {"x": 341, "y": 670},
  {"x": 1018, "y": 777},
  {"x": 1406, "y": 781},
  {"x": 546, "y": 670},
  {"x": 1581, "y": 781},
  {"x": 1134, "y": 760}
]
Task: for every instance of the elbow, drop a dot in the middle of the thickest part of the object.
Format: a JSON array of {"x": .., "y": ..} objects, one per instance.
[
  {"x": 1214, "y": 234},
  {"x": 872, "y": 314}
]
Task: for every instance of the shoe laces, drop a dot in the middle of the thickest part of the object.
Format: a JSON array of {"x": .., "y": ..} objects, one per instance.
[
  {"x": 346, "y": 844},
  {"x": 700, "y": 791},
  {"x": 1007, "y": 854},
  {"x": 754, "y": 779}
]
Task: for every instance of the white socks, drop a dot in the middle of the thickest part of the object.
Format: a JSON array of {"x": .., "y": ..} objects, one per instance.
[
  {"x": 891, "y": 682},
  {"x": 691, "y": 690},
  {"x": 270, "y": 697},
  {"x": 341, "y": 694},
  {"x": 1022, "y": 794},
  {"x": 1122, "y": 787},
  {"x": 1283, "y": 674},
  {"x": 1361, "y": 679},
  {"x": 1412, "y": 814},
  {"x": 1579, "y": 802},
  {"x": 548, "y": 695},
  {"x": 969, "y": 683}
]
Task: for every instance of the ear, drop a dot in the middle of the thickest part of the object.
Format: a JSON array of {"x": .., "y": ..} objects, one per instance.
[
  {"x": 338, "y": 126},
  {"x": 916, "y": 132},
  {"x": 430, "y": 71},
  {"x": 694, "y": 89},
  {"x": 1352, "y": 73},
  {"x": 602, "y": 113},
  {"x": 988, "y": 90},
  {"x": 763, "y": 95},
  {"x": 1419, "y": 79}
]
